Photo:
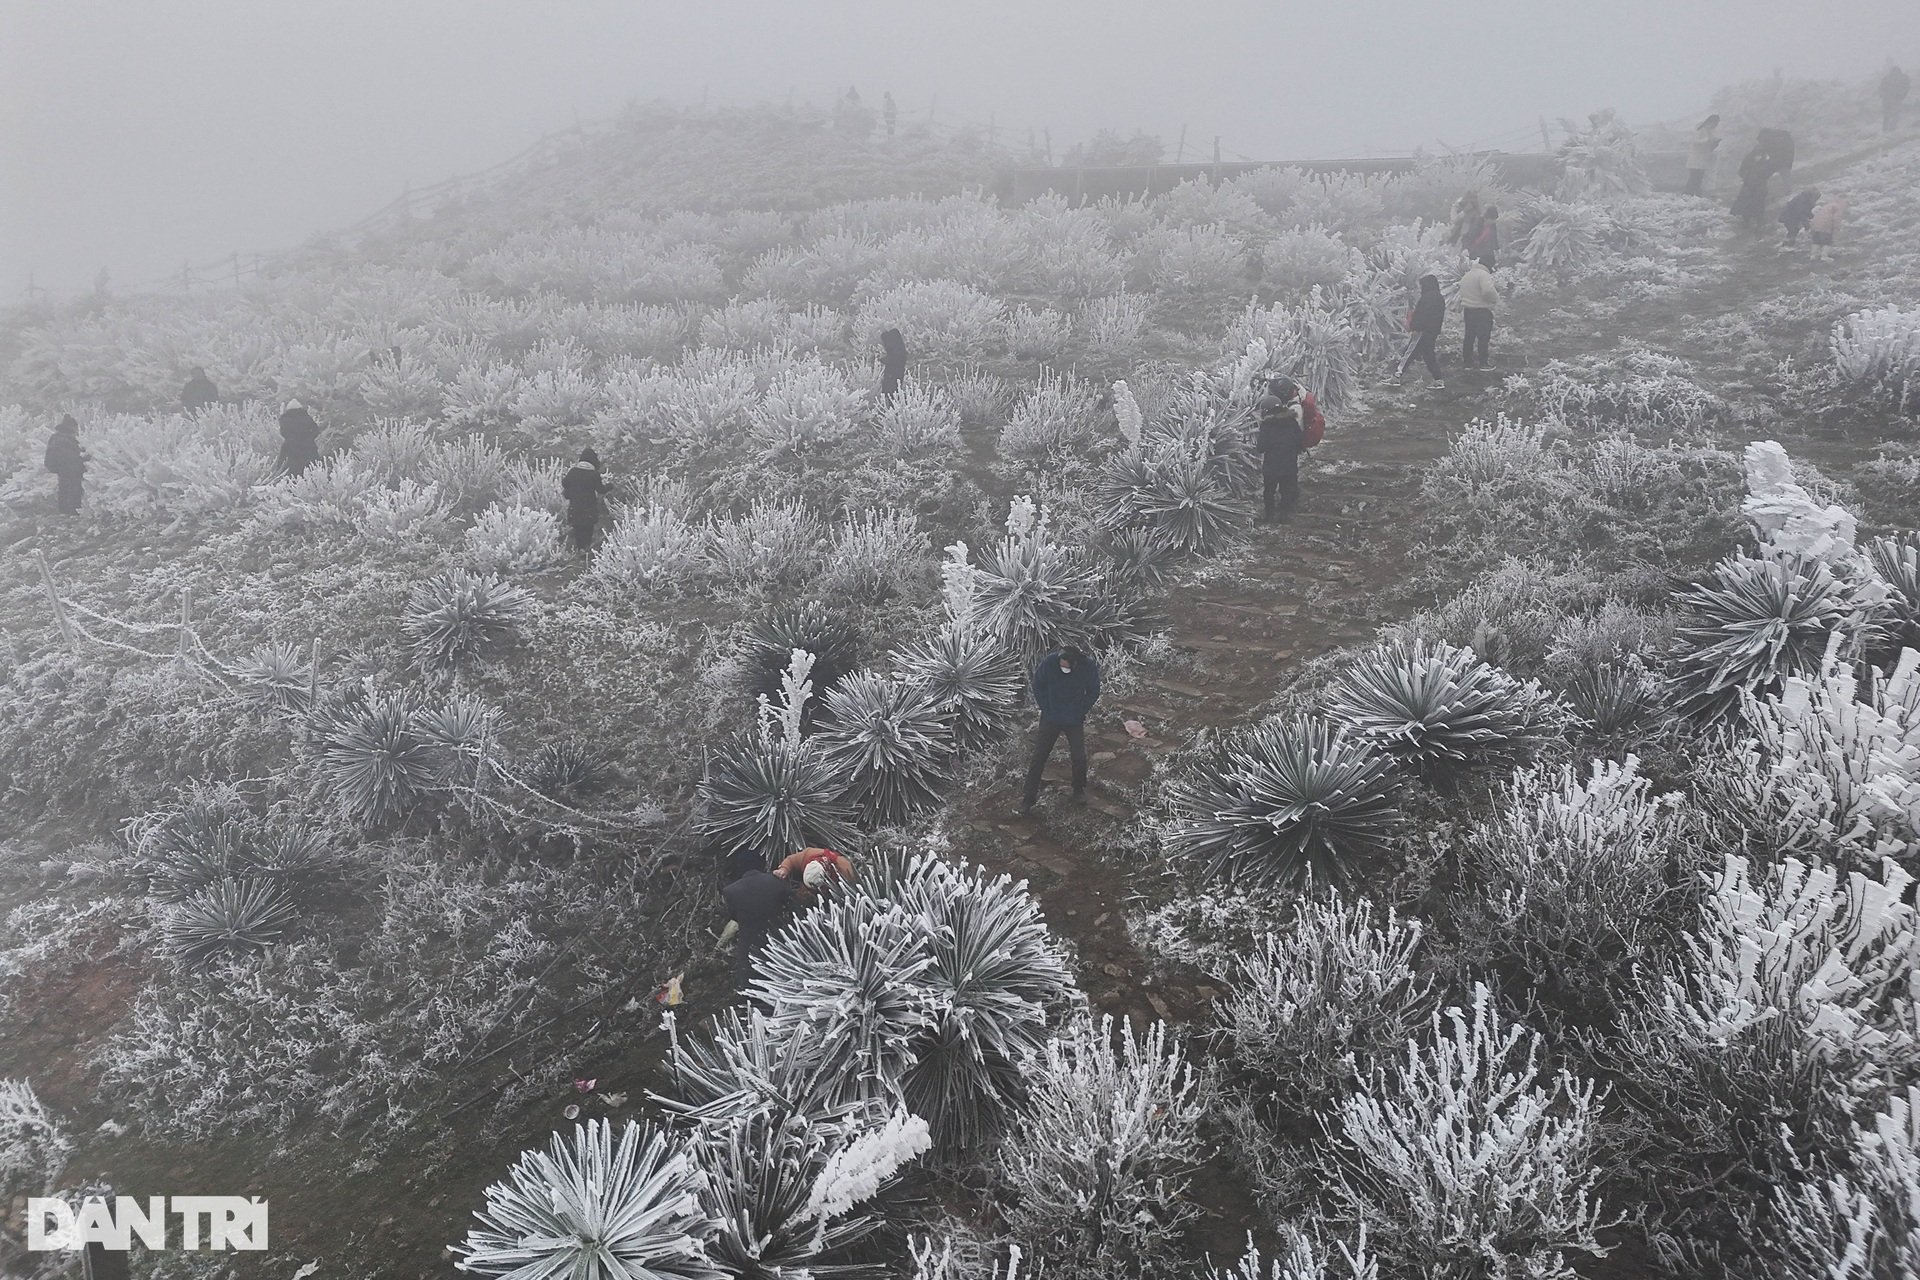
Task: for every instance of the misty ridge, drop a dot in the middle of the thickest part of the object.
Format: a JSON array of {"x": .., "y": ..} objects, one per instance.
[{"x": 848, "y": 687}]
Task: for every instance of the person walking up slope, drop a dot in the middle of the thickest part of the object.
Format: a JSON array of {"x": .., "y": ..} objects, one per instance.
[
  {"x": 893, "y": 362},
  {"x": 582, "y": 487},
  {"x": 1429, "y": 316},
  {"x": 1478, "y": 298},
  {"x": 299, "y": 439},
  {"x": 1066, "y": 684},
  {"x": 68, "y": 462}
]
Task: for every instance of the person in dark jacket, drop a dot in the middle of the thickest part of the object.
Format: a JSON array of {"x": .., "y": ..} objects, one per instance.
[
  {"x": 1894, "y": 87},
  {"x": 1486, "y": 242},
  {"x": 199, "y": 392},
  {"x": 1066, "y": 684},
  {"x": 299, "y": 439},
  {"x": 1750, "y": 206},
  {"x": 1428, "y": 318},
  {"x": 1796, "y": 213},
  {"x": 1282, "y": 436},
  {"x": 68, "y": 462},
  {"x": 893, "y": 362},
  {"x": 582, "y": 487},
  {"x": 755, "y": 902}
]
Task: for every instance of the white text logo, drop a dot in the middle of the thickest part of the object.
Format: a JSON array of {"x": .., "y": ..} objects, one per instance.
[{"x": 206, "y": 1222}]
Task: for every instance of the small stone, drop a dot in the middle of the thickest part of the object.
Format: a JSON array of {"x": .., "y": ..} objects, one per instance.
[
  {"x": 1104, "y": 755},
  {"x": 1104, "y": 917},
  {"x": 1113, "y": 970},
  {"x": 1159, "y": 1006},
  {"x": 1071, "y": 913}
]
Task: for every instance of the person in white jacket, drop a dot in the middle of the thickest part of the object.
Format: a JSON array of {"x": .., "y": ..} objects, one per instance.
[{"x": 1478, "y": 297}]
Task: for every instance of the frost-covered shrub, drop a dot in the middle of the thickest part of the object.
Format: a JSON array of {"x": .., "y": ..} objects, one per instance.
[
  {"x": 1563, "y": 238},
  {"x": 747, "y": 323},
  {"x": 1878, "y": 352},
  {"x": 514, "y": 539},
  {"x": 804, "y": 408},
  {"x": 1573, "y": 885},
  {"x": 1191, "y": 264},
  {"x": 483, "y": 396},
  {"x": 588, "y": 1206},
  {"x": 1438, "y": 709},
  {"x": 1056, "y": 413},
  {"x": 942, "y": 319},
  {"x": 1319, "y": 1001},
  {"x": 1863, "y": 1220},
  {"x": 230, "y": 914},
  {"x": 1296, "y": 261},
  {"x": 457, "y": 615},
  {"x": 1344, "y": 203},
  {"x": 1601, "y": 160},
  {"x": 1638, "y": 388},
  {"x": 1031, "y": 589},
  {"x": 1200, "y": 203},
  {"x": 1288, "y": 801},
  {"x": 1108, "y": 1137},
  {"x": 971, "y": 678},
  {"x": 877, "y": 555},
  {"x": 1068, "y": 253},
  {"x": 469, "y": 473},
  {"x": 398, "y": 513},
  {"x": 652, "y": 548},
  {"x": 1037, "y": 335},
  {"x": 1757, "y": 622},
  {"x": 1311, "y": 342},
  {"x": 1471, "y": 1159},
  {"x": 889, "y": 742},
  {"x": 919, "y": 420},
  {"x": 1306, "y": 1259},
  {"x": 1113, "y": 328},
  {"x": 771, "y": 790},
  {"x": 373, "y": 757},
  {"x": 1273, "y": 189},
  {"x": 1177, "y": 494},
  {"x": 33, "y": 1145},
  {"x": 775, "y": 546}
]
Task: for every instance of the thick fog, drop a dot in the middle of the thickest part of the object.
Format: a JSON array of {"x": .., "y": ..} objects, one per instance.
[{"x": 139, "y": 135}]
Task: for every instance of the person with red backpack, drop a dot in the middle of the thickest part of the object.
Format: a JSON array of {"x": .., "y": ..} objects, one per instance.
[{"x": 1290, "y": 424}]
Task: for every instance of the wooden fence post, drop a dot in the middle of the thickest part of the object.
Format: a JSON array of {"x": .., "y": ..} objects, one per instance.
[{"x": 59, "y": 610}]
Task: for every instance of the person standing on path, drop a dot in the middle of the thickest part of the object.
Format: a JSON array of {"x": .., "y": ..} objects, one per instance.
[
  {"x": 582, "y": 487},
  {"x": 1750, "y": 206},
  {"x": 1706, "y": 140},
  {"x": 755, "y": 902},
  {"x": 1428, "y": 317},
  {"x": 1478, "y": 298},
  {"x": 889, "y": 111},
  {"x": 299, "y": 439},
  {"x": 199, "y": 392},
  {"x": 893, "y": 362},
  {"x": 1281, "y": 412},
  {"x": 1485, "y": 245},
  {"x": 1066, "y": 684},
  {"x": 1894, "y": 87},
  {"x": 1466, "y": 219},
  {"x": 68, "y": 462}
]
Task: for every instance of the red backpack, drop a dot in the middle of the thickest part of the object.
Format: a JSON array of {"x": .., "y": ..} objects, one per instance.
[{"x": 1313, "y": 423}]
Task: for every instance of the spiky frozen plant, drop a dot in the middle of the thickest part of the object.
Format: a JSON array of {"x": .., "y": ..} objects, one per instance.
[
  {"x": 1305, "y": 1258},
  {"x": 1896, "y": 560},
  {"x": 1617, "y": 699},
  {"x": 959, "y": 584},
  {"x": 1600, "y": 161},
  {"x": 1031, "y": 585},
  {"x": 1288, "y": 800},
  {"x": 455, "y": 615},
  {"x": 1173, "y": 491},
  {"x": 1323, "y": 999},
  {"x": 229, "y": 915},
  {"x": 849, "y": 973},
  {"x": 1097, "y": 1168},
  {"x": 1471, "y": 1159},
  {"x": 971, "y": 679},
  {"x": 373, "y": 757},
  {"x": 890, "y": 741},
  {"x": 955, "y": 1254},
  {"x": 1879, "y": 351},
  {"x": 772, "y": 789},
  {"x": 1787, "y": 520},
  {"x": 1862, "y": 1221},
  {"x": 458, "y": 734},
  {"x": 742, "y": 1064},
  {"x": 590, "y": 1208},
  {"x": 773, "y": 636},
  {"x": 33, "y": 1146},
  {"x": 277, "y": 677},
  {"x": 516, "y": 538},
  {"x": 1438, "y": 709},
  {"x": 569, "y": 766},
  {"x": 995, "y": 978},
  {"x": 1126, "y": 410},
  {"x": 1563, "y": 237},
  {"x": 1137, "y": 558},
  {"x": 1757, "y": 622}
]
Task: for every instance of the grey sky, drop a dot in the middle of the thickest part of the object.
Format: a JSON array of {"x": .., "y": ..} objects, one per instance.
[{"x": 139, "y": 133}]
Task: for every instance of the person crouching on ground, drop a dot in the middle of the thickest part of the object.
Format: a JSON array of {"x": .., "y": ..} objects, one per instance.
[
  {"x": 1824, "y": 225},
  {"x": 813, "y": 869},
  {"x": 1796, "y": 213},
  {"x": 755, "y": 901},
  {"x": 1281, "y": 438},
  {"x": 1066, "y": 684},
  {"x": 582, "y": 487}
]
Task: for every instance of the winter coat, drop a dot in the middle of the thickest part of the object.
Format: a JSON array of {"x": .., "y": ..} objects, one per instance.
[
  {"x": 300, "y": 441},
  {"x": 1797, "y": 212},
  {"x": 1065, "y": 697},
  {"x": 1478, "y": 290},
  {"x": 1281, "y": 436},
  {"x": 198, "y": 394},
  {"x": 794, "y": 865},
  {"x": 1826, "y": 219},
  {"x": 65, "y": 457},
  {"x": 756, "y": 900},
  {"x": 1487, "y": 242},
  {"x": 1706, "y": 139},
  {"x": 1430, "y": 313},
  {"x": 582, "y": 487},
  {"x": 1894, "y": 86}
]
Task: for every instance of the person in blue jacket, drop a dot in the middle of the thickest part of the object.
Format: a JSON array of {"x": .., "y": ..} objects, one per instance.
[{"x": 1066, "y": 684}]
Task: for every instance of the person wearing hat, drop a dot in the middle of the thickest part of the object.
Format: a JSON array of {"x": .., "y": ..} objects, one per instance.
[
  {"x": 582, "y": 487},
  {"x": 199, "y": 392},
  {"x": 814, "y": 868},
  {"x": 299, "y": 439},
  {"x": 1282, "y": 436},
  {"x": 68, "y": 462}
]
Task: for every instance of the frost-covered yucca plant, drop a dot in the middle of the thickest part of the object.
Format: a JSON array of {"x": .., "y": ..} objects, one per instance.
[
  {"x": 33, "y": 1146},
  {"x": 1896, "y": 561},
  {"x": 974, "y": 683},
  {"x": 570, "y": 766},
  {"x": 1861, "y": 1221},
  {"x": 772, "y": 790},
  {"x": 1879, "y": 351},
  {"x": 1177, "y": 494},
  {"x": 1438, "y": 709},
  {"x": 995, "y": 977},
  {"x": 890, "y": 742},
  {"x": 277, "y": 677},
  {"x": 742, "y": 1064},
  {"x": 877, "y": 555},
  {"x": 589, "y": 1207},
  {"x": 1288, "y": 800},
  {"x": 1600, "y": 161},
  {"x": 1313, "y": 342},
  {"x": 1471, "y": 1159},
  {"x": 1616, "y": 700},
  {"x": 514, "y": 539},
  {"x": 373, "y": 757},
  {"x": 1758, "y": 621},
  {"x": 825, "y": 633},
  {"x": 1097, "y": 1169},
  {"x": 230, "y": 914},
  {"x": 456, "y": 615},
  {"x": 212, "y": 837},
  {"x": 1031, "y": 587},
  {"x": 1322, "y": 999},
  {"x": 1137, "y": 559}
]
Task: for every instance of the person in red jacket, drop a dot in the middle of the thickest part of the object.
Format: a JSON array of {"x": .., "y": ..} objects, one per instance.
[{"x": 811, "y": 869}]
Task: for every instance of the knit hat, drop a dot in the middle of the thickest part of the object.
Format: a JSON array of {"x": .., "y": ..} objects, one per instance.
[
  {"x": 293, "y": 405},
  {"x": 588, "y": 455},
  {"x": 815, "y": 875}
]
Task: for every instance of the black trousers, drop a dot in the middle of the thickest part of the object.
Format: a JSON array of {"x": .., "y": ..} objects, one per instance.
[
  {"x": 1043, "y": 739},
  {"x": 1479, "y": 327},
  {"x": 582, "y": 532},
  {"x": 1280, "y": 473},
  {"x": 68, "y": 496},
  {"x": 1422, "y": 347},
  {"x": 1696, "y": 178}
]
